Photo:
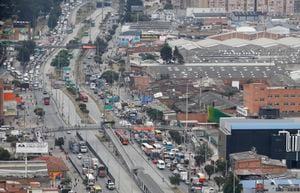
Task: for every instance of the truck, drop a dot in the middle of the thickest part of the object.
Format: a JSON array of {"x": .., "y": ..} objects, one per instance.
[
  {"x": 90, "y": 181},
  {"x": 83, "y": 147},
  {"x": 74, "y": 146},
  {"x": 95, "y": 163},
  {"x": 85, "y": 162},
  {"x": 110, "y": 185}
]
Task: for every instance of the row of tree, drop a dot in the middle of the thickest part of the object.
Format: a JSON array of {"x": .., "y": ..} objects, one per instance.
[
  {"x": 168, "y": 56},
  {"x": 26, "y": 10}
]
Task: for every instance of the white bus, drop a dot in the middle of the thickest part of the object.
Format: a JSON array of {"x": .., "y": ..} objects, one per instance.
[
  {"x": 147, "y": 148},
  {"x": 161, "y": 164}
]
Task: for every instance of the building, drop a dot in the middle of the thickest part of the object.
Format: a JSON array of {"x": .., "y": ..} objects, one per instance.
[
  {"x": 35, "y": 169},
  {"x": 249, "y": 163},
  {"x": 279, "y": 30},
  {"x": 18, "y": 186},
  {"x": 56, "y": 166},
  {"x": 1, "y": 102},
  {"x": 192, "y": 118},
  {"x": 277, "y": 139},
  {"x": 217, "y": 4},
  {"x": 10, "y": 103},
  {"x": 289, "y": 185},
  {"x": 274, "y": 7},
  {"x": 141, "y": 83},
  {"x": 128, "y": 38},
  {"x": 249, "y": 16},
  {"x": 284, "y": 98}
]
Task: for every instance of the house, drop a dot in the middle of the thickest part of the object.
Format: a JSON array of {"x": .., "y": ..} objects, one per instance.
[
  {"x": 249, "y": 163},
  {"x": 56, "y": 166},
  {"x": 10, "y": 102}
]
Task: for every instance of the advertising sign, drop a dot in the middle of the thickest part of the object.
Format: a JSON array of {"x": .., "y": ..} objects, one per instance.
[
  {"x": 150, "y": 36},
  {"x": 32, "y": 148}
]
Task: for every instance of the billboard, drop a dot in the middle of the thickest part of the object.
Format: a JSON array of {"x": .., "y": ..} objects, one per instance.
[
  {"x": 32, "y": 148},
  {"x": 150, "y": 36}
]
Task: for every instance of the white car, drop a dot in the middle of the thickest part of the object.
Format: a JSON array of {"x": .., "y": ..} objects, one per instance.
[{"x": 79, "y": 156}]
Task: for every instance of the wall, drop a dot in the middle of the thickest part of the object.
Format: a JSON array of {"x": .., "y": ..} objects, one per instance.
[{"x": 285, "y": 99}]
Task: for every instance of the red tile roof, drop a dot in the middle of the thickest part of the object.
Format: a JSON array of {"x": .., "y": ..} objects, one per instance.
[
  {"x": 54, "y": 164},
  {"x": 10, "y": 96}
]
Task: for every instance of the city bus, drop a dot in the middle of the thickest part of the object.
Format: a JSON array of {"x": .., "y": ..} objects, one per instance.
[{"x": 147, "y": 148}]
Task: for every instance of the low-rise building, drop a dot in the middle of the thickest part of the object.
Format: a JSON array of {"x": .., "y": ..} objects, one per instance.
[
  {"x": 277, "y": 139},
  {"x": 56, "y": 166},
  {"x": 249, "y": 163},
  {"x": 288, "y": 185}
]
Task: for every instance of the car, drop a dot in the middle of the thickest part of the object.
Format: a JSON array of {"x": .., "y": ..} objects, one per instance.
[
  {"x": 69, "y": 132},
  {"x": 110, "y": 185},
  {"x": 45, "y": 92},
  {"x": 79, "y": 156}
]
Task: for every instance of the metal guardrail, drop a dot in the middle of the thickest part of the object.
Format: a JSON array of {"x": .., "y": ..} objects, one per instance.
[
  {"x": 74, "y": 166},
  {"x": 98, "y": 157}
]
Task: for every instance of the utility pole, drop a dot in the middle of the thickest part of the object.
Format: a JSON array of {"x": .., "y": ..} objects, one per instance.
[{"x": 186, "y": 113}]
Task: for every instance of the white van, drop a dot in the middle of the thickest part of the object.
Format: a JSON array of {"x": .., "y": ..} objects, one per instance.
[{"x": 161, "y": 164}]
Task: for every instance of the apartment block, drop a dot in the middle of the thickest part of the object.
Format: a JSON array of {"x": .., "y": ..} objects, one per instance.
[
  {"x": 271, "y": 7},
  {"x": 286, "y": 99},
  {"x": 216, "y": 3}
]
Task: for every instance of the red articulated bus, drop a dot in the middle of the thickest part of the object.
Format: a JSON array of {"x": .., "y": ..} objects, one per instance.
[{"x": 121, "y": 134}]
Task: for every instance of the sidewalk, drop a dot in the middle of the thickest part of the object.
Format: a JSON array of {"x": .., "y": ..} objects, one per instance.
[{"x": 78, "y": 186}]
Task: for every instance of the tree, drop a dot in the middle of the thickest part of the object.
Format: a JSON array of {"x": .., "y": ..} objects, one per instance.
[
  {"x": 98, "y": 59},
  {"x": 155, "y": 115},
  {"x": 4, "y": 154},
  {"x": 209, "y": 169},
  {"x": 219, "y": 181},
  {"x": 175, "y": 180},
  {"x": 177, "y": 56},
  {"x": 25, "y": 50},
  {"x": 166, "y": 53},
  {"x": 203, "y": 153},
  {"x": 110, "y": 76},
  {"x": 54, "y": 16},
  {"x": 23, "y": 55},
  {"x": 175, "y": 135},
  {"x": 101, "y": 46},
  {"x": 221, "y": 166},
  {"x": 228, "y": 184},
  {"x": 62, "y": 59}
]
